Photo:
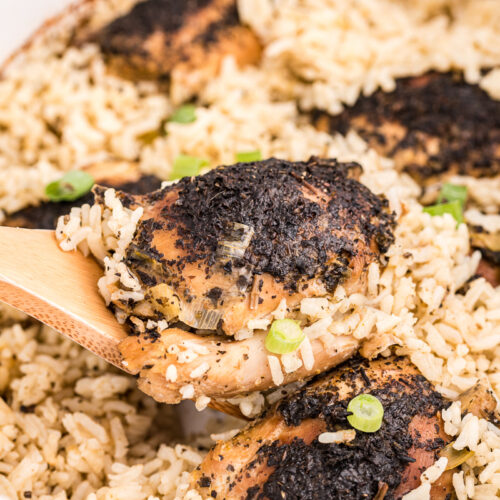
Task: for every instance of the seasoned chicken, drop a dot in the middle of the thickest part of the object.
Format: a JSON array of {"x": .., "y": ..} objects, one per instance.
[
  {"x": 232, "y": 367},
  {"x": 216, "y": 251},
  {"x": 280, "y": 456},
  {"x": 184, "y": 42},
  {"x": 489, "y": 245},
  {"x": 120, "y": 175},
  {"x": 228, "y": 246},
  {"x": 433, "y": 126}
]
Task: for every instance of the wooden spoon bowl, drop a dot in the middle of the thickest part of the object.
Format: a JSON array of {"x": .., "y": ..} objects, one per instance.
[{"x": 60, "y": 289}]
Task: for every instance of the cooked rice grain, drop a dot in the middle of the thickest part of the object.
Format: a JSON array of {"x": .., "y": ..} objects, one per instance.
[{"x": 71, "y": 425}]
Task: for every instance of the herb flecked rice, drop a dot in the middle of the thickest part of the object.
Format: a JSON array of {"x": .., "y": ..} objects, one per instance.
[{"x": 71, "y": 426}]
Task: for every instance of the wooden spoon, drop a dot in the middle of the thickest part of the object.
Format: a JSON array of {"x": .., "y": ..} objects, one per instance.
[{"x": 60, "y": 289}]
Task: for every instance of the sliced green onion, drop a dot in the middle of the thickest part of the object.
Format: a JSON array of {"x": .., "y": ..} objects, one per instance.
[
  {"x": 184, "y": 114},
  {"x": 70, "y": 186},
  {"x": 454, "y": 208},
  {"x": 235, "y": 243},
  {"x": 367, "y": 413},
  {"x": 452, "y": 192},
  {"x": 455, "y": 457},
  {"x": 284, "y": 336},
  {"x": 248, "y": 156},
  {"x": 149, "y": 137},
  {"x": 187, "y": 166}
]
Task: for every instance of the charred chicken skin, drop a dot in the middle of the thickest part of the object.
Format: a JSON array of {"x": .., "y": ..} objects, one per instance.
[
  {"x": 280, "y": 456},
  {"x": 215, "y": 251},
  {"x": 434, "y": 126},
  {"x": 183, "y": 42}
]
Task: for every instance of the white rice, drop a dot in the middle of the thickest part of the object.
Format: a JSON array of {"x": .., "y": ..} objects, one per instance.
[
  {"x": 343, "y": 436},
  {"x": 71, "y": 426},
  {"x": 171, "y": 373},
  {"x": 275, "y": 367},
  {"x": 88, "y": 436},
  {"x": 187, "y": 391},
  {"x": 327, "y": 57},
  {"x": 429, "y": 476},
  {"x": 479, "y": 475}
]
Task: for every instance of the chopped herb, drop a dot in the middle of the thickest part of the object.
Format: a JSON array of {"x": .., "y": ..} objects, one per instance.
[
  {"x": 184, "y": 114},
  {"x": 187, "y": 166},
  {"x": 70, "y": 186},
  {"x": 284, "y": 336},
  {"x": 367, "y": 413},
  {"x": 248, "y": 156},
  {"x": 452, "y": 192},
  {"x": 454, "y": 208},
  {"x": 149, "y": 137}
]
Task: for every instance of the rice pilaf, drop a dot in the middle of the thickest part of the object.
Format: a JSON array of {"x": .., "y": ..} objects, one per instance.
[{"x": 73, "y": 427}]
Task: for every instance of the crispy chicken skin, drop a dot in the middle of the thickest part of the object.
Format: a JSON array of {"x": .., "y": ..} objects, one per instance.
[
  {"x": 184, "y": 42},
  {"x": 307, "y": 227},
  {"x": 279, "y": 455},
  {"x": 312, "y": 225},
  {"x": 117, "y": 174},
  {"x": 433, "y": 126}
]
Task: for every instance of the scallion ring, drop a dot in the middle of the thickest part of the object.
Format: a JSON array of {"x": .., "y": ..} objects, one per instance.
[
  {"x": 248, "y": 156},
  {"x": 184, "y": 114},
  {"x": 454, "y": 208},
  {"x": 187, "y": 166},
  {"x": 284, "y": 336},
  {"x": 70, "y": 186},
  {"x": 367, "y": 413}
]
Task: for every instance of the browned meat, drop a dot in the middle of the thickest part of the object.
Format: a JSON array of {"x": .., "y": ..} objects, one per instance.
[
  {"x": 433, "y": 125},
  {"x": 182, "y": 41},
  {"x": 480, "y": 400},
  {"x": 489, "y": 245},
  {"x": 120, "y": 175},
  {"x": 235, "y": 367},
  {"x": 308, "y": 226},
  {"x": 305, "y": 228},
  {"x": 489, "y": 271},
  {"x": 279, "y": 456}
]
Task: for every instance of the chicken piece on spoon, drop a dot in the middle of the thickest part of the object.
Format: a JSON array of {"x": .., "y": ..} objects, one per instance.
[
  {"x": 282, "y": 454},
  {"x": 216, "y": 251}
]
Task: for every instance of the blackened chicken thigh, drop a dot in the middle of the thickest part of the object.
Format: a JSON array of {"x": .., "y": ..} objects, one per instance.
[
  {"x": 215, "y": 251},
  {"x": 280, "y": 456}
]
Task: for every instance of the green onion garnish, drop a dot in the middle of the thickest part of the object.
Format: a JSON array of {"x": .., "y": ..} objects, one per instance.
[
  {"x": 284, "y": 336},
  {"x": 452, "y": 192},
  {"x": 451, "y": 201},
  {"x": 454, "y": 208},
  {"x": 248, "y": 156},
  {"x": 70, "y": 186},
  {"x": 184, "y": 114},
  {"x": 367, "y": 413},
  {"x": 187, "y": 166}
]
